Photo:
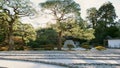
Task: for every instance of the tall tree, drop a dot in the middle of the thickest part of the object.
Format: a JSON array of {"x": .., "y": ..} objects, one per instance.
[
  {"x": 118, "y": 26},
  {"x": 103, "y": 21},
  {"x": 107, "y": 14},
  {"x": 106, "y": 19},
  {"x": 3, "y": 26},
  {"x": 92, "y": 16},
  {"x": 61, "y": 10},
  {"x": 2, "y": 31},
  {"x": 12, "y": 11}
]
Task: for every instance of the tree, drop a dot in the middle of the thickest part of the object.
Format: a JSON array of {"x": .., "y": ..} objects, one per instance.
[
  {"x": 103, "y": 21},
  {"x": 25, "y": 31},
  {"x": 92, "y": 16},
  {"x": 2, "y": 31},
  {"x": 61, "y": 10},
  {"x": 79, "y": 30},
  {"x": 106, "y": 19},
  {"x": 12, "y": 10},
  {"x": 107, "y": 15},
  {"x": 3, "y": 27},
  {"x": 45, "y": 36},
  {"x": 112, "y": 31},
  {"x": 118, "y": 24},
  {"x": 118, "y": 27}
]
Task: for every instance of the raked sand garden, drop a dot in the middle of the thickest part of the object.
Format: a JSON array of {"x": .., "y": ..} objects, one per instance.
[{"x": 109, "y": 58}]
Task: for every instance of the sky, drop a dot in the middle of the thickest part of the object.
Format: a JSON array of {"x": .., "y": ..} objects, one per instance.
[{"x": 84, "y": 5}]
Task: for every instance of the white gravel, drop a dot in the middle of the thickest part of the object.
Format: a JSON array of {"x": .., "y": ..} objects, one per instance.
[{"x": 109, "y": 58}]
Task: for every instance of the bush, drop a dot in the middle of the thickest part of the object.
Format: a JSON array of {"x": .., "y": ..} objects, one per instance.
[
  {"x": 70, "y": 46},
  {"x": 4, "y": 48},
  {"x": 100, "y": 48},
  {"x": 18, "y": 40},
  {"x": 26, "y": 48},
  {"x": 19, "y": 47},
  {"x": 48, "y": 47},
  {"x": 34, "y": 45},
  {"x": 87, "y": 47}
]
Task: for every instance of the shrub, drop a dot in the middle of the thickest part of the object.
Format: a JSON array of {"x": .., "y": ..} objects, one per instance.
[
  {"x": 19, "y": 47},
  {"x": 18, "y": 40},
  {"x": 100, "y": 48},
  {"x": 26, "y": 48},
  {"x": 87, "y": 47},
  {"x": 70, "y": 46},
  {"x": 4, "y": 48},
  {"x": 33, "y": 44},
  {"x": 48, "y": 47},
  {"x": 85, "y": 43}
]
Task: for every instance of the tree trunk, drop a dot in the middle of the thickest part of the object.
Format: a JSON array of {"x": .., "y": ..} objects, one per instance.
[
  {"x": 10, "y": 37},
  {"x": 94, "y": 23},
  {"x": 6, "y": 39},
  {"x": 59, "y": 41}
]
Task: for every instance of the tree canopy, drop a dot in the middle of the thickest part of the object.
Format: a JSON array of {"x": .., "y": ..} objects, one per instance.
[
  {"x": 61, "y": 10},
  {"x": 67, "y": 21},
  {"x": 11, "y": 11},
  {"x": 103, "y": 21}
]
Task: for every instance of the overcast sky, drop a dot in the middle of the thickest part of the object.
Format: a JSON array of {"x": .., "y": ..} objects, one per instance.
[{"x": 84, "y": 5}]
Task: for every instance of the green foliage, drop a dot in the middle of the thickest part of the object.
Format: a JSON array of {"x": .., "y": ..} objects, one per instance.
[
  {"x": 107, "y": 14},
  {"x": 70, "y": 46},
  {"x": 100, "y": 48},
  {"x": 86, "y": 45},
  {"x": 92, "y": 16},
  {"x": 103, "y": 21},
  {"x": 106, "y": 20},
  {"x": 18, "y": 47},
  {"x": 21, "y": 47},
  {"x": 118, "y": 27},
  {"x": 25, "y": 31},
  {"x": 112, "y": 31},
  {"x": 48, "y": 47},
  {"x": 45, "y": 36},
  {"x": 61, "y": 10},
  {"x": 34, "y": 44},
  {"x": 19, "y": 9},
  {"x": 63, "y": 7},
  {"x": 30, "y": 33},
  {"x": 1, "y": 38},
  {"x": 77, "y": 31}
]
